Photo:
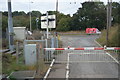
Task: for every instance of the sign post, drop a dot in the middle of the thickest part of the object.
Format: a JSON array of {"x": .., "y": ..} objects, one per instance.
[
  {"x": 47, "y": 24},
  {"x": 48, "y": 21}
]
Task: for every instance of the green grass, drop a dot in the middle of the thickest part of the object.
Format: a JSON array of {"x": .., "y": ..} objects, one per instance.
[
  {"x": 60, "y": 44},
  {"x": 113, "y": 37},
  {"x": 10, "y": 65}
]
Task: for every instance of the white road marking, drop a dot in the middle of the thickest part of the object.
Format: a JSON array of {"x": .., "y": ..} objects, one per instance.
[
  {"x": 48, "y": 71},
  {"x": 67, "y": 68},
  {"x": 67, "y": 74},
  {"x": 108, "y": 53},
  {"x": 98, "y": 43},
  {"x": 112, "y": 58}
]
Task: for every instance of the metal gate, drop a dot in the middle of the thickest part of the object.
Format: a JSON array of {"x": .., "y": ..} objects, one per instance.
[
  {"x": 83, "y": 58},
  {"x": 84, "y": 54}
]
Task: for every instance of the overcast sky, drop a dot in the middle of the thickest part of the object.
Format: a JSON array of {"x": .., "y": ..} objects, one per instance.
[{"x": 65, "y": 6}]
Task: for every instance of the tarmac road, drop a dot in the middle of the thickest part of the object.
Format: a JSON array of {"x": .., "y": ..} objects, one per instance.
[{"x": 106, "y": 69}]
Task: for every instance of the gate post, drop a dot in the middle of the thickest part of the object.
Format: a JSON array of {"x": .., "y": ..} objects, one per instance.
[
  {"x": 46, "y": 53},
  {"x": 56, "y": 42}
]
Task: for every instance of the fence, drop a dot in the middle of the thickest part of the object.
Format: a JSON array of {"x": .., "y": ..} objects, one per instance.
[
  {"x": 50, "y": 43},
  {"x": 86, "y": 54},
  {"x": 42, "y": 57}
]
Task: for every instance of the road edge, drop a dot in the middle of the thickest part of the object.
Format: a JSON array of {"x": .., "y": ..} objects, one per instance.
[{"x": 107, "y": 52}]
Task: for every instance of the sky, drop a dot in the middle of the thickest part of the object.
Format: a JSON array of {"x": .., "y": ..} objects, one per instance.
[{"x": 64, "y": 6}]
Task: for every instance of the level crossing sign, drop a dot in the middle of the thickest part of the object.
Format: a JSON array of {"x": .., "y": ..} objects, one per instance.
[{"x": 51, "y": 21}]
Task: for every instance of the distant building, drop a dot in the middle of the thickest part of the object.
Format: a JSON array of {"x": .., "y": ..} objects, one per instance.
[{"x": 19, "y": 33}]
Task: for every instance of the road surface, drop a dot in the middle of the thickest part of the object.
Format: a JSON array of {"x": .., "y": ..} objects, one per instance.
[{"x": 106, "y": 69}]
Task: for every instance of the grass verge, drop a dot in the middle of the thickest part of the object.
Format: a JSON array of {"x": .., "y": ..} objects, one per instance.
[
  {"x": 113, "y": 37},
  {"x": 9, "y": 64}
]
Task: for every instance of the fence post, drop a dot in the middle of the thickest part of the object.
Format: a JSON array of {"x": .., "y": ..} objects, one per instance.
[
  {"x": 57, "y": 42},
  {"x": 24, "y": 43},
  {"x": 38, "y": 57},
  {"x": 52, "y": 46},
  {"x": 52, "y": 42},
  {"x": 41, "y": 37}
]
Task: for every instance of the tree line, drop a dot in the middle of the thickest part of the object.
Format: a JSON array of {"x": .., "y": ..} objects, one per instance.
[{"x": 91, "y": 14}]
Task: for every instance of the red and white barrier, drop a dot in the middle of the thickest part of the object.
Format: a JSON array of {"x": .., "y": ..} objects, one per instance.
[{"x": 83, "y": 48}]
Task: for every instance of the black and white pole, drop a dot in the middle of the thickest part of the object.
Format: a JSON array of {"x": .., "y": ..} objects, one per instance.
[{"x": 10, "y": 26}]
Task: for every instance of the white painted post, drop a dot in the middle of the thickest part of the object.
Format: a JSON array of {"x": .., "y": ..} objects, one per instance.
[
  {"x": 47, "y": 23},
  {"x": 57, "y": 42},
  {"x": 46, "y": 52},
  {"x": 47, "y": 35}
]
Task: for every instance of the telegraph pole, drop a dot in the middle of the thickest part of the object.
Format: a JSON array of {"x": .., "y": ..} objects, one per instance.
[
  {"x": 109, "y": 13},
  {"x": 56, "y": 11},
  {"x": 110, "y": 24},
  {"x": 30, "y": 22},
  {"x": 10, "y": 26},
  {"x": 30, "y": 14}
]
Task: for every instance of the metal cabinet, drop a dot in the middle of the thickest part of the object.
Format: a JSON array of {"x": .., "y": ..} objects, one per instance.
[{"x": 30, "y": 54}]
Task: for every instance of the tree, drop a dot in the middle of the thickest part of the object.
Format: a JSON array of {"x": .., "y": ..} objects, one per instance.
[
  {"x": 5, "y": 13},
  {"x": 4, "y": 23},
  {"x": 63, "y": 24},
  {"x": 92, "y": 14},
  {"x": 34, "y": 14},
  {"x": 21, "y": 21},
  {"x": 21, "y": 13},
  {"x": 115, "y": 12}
]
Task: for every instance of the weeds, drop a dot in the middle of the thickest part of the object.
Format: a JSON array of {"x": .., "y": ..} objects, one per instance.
[{"x": 113, "y": 37}]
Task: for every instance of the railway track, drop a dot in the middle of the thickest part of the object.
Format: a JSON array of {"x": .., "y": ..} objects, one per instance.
[{"x": 7, "y": 51}]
